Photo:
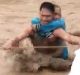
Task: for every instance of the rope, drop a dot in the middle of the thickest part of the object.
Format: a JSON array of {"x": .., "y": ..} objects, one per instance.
[
  {"x": 49, "y": 46},
  {"x": 37, "y": 47}
]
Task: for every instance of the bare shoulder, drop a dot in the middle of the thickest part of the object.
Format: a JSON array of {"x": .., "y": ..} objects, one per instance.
[{"x": 59, "y": 31}]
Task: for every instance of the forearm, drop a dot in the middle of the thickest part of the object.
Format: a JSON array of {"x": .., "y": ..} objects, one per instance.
[
  {"x": 66, "y": 36},
  {"x": 23, "y": 35},
  {"x": 76, "y": 33},
  {"x": 18, "y": 38},
  {"x": 73, "y": 39}
]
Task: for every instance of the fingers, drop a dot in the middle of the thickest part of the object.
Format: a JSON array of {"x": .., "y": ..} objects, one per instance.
[
  {"x": 6, "y": 47},
  {"x": 9, "y": 45}
]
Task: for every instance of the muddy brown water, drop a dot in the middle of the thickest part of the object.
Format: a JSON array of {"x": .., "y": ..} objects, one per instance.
[{"x": 15, "y": 15}]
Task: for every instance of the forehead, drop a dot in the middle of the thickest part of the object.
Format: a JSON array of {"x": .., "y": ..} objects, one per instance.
[{"x": 45, "y": 11}]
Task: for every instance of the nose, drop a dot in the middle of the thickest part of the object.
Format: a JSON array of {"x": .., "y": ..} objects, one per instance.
[{"x": 45, "y": 19}]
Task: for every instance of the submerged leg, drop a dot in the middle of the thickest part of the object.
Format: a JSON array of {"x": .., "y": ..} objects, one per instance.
[{"x": 60, "y": 64}]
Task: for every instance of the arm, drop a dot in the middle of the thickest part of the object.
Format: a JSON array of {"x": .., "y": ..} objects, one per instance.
[
  {"x": 66, "y": 36},
  {"x": 15, "y": 41},
  {"x": 24, "y": 34},
  {"x": 76, "y": 33}
]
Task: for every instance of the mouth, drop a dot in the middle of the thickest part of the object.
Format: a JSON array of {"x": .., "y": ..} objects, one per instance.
[{"x": 45, "y": 22}]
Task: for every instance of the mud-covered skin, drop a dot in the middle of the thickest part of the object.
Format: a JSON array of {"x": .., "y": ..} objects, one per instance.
[
  {"x": 56, "y": 52},
  {"x": 49, "y": 57},
  {"x": 60, "y": 64}
]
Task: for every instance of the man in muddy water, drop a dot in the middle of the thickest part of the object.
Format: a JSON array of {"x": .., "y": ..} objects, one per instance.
[{"x": 47, "y": 30}]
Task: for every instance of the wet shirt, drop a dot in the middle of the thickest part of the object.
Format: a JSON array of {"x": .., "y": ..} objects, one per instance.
[{"x": 46, "y": 29}]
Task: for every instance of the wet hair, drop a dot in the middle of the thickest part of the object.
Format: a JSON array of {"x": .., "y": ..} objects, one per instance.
[
  {"x": 48, "y": 5},
  {"x": 57, "y": 9}
]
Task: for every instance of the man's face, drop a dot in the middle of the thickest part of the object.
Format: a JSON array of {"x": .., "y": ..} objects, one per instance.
[{"x": 46, "y": 15}]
